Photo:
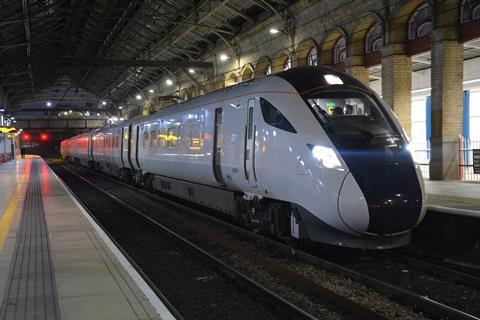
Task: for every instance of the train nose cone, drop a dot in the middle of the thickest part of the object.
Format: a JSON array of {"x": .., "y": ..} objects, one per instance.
[
  {"x": 393, "y": 195},
  {"x": 352, "y": 206}
]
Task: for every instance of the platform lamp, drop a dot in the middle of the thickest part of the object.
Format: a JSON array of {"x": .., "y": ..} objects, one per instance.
[{"x": 288, "y": 30}]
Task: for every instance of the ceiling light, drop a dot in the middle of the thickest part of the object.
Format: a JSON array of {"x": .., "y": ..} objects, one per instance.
[
  {"x": 65, "y": 112},
  {"x": 151, "y": 91},
  {"x": 169, "y": 82},
  {"x": 274, "y": 30},
  {"x": 49, "y": 104},
  {"x": 223, "y": 57},
  {"x": 120, "y": 107},
  {"x": 12, "y": 118},
  {"x": 2, "y": 110},
  {"x": 191, "y": 70},
  {"x": 98, "y": 114},
  {"x": 139, "y": 97},
  {"x": 70, "y": 111},
  {"x": 104, "y": 103}
]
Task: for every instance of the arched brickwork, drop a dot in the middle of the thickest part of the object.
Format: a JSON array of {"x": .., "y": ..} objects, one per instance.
[
  {"x": 247, "y": 72},
  {"x": 398, "y": 24},
  {"x": 263, "y": 67},
  {"x": 360, "y": 30},
  {"x": 330, "y": 41},
  {"x": 231, "y": 79},
  {"x": 304, "y": 48},
  {"x": 184, "y": 95},
  {"x": 279, "y": 62}
]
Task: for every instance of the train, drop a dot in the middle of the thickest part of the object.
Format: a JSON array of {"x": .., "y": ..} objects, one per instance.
[{"x": 309, "y": 153}]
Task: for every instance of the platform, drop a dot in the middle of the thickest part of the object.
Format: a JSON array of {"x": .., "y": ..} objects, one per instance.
[
  {"x": 55, "y": 262},
  {"x": 454, "y": 197}
]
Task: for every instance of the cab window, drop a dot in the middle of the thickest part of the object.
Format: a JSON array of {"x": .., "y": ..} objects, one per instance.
[{"x": 274, "y": 117}]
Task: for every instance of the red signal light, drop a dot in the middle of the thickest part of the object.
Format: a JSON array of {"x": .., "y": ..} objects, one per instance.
[
  {"x": 43, "y": 137},
  {"x": 26, "y": 137}
]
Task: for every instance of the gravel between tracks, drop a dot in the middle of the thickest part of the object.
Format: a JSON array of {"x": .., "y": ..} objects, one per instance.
[
  {"x": 188, "y": 224},
  {"x": 442, "y": 290},
  {"x": 192, "y": 285}
]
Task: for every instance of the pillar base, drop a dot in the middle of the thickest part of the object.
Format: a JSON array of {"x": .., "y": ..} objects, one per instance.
[{"x": 444, "y": 162}]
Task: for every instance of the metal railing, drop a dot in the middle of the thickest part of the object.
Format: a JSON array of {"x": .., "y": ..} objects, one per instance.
[
  {"x": 421, "y": 153},
  {"x": 466, "y": 147}
]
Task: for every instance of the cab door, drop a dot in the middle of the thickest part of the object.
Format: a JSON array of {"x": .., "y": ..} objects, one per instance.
[{"x": 250, "y": 137}]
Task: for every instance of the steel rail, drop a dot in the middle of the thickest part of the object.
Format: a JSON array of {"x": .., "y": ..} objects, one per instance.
[
  {"x": 439, "y": 270},
  {"x": 425, "y": 304},
  {"x": 132, "y": 262},
  {"x": 295, "y": 311}
]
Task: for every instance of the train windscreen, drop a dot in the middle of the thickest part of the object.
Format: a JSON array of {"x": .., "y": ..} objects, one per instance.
[{"x": 350, "y": 113}]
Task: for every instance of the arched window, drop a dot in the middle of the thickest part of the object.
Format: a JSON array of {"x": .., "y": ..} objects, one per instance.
[
  {"x": 288, "y": 63},
  {"x": 339, "y": 51},
  {"x": 247, "y": 74},
  {"x": 373, "y": 39},
  {"x": 470, "y": 10},
  {"x": 312, "y": 57},
  {"x": 420, "y": 23}
]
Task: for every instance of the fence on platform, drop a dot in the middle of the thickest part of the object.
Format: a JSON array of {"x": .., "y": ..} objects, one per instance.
[
  {"x": 466, "y": 147},
  {"x": 421, "y": 153}
]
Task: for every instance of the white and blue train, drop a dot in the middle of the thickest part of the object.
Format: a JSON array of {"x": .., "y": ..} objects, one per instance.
[{"x": 308, "y": 153}]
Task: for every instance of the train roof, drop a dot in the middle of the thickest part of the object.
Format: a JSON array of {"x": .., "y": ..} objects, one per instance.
[
  {"x": 302, "y": 79},
  {"x": 307, "y": 79}
]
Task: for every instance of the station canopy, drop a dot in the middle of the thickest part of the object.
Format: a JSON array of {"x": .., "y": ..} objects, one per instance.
[{"x": 82, "y": 52}]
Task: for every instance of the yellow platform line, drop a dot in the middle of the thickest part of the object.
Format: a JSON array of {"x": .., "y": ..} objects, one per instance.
[
  {"x": 9, "y": 214},
  {"x": 7, "y": 219}
]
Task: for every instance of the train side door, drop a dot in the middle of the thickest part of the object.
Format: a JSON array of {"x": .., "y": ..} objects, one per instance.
[
  {"x": 217, "y": 146},
  {"x": 131, "y": 146},
  {"x": 124, "y": 146},
  {"x": 90, "y": 147},
  {"x": 249, "y": 152}
]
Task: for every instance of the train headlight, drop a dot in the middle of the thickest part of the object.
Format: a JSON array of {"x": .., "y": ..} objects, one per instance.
[
  {"x": 410, "y": 148},
  {"x": 327, "y": 157}
]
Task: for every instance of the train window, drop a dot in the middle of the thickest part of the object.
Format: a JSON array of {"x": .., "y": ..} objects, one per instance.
[
  {"x": 275, "y": 118},
  {"x": 350, "y": 113},
  {"x": 162, "y": 138},
  {"x": 250, "y": 123},
  {"x": 153, "y": 139},
  {"x": 145, "y": 139},
  {"x": 196, "y": 140},
  {"x": 171, "y": 138}
]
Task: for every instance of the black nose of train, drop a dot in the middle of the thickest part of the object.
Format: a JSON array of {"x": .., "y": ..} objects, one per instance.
[{"x": 393, "y": 195}]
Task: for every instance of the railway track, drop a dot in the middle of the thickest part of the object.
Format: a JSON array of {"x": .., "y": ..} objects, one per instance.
[
  {"x": 439, "y": 269},
  {"x": 284, "y": 309},
  {"x": 290, "y": 257}
]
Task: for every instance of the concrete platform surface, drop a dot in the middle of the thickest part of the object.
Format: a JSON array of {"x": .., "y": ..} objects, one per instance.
[
  {"x": 454, "y": 196},
  {"x": 55, "y": 262}
]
